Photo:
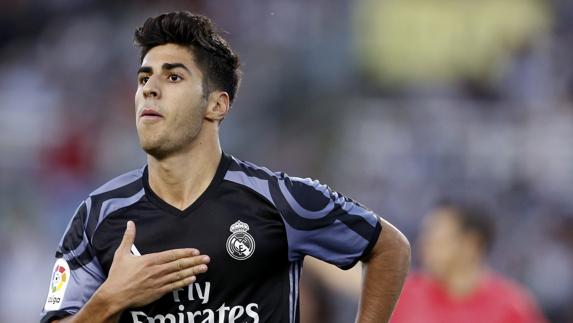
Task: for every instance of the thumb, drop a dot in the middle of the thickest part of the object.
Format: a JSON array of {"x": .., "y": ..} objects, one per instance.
[{"x": 128, "y": 238}]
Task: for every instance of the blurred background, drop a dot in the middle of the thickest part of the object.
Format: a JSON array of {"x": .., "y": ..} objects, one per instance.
[{"x": 396, "y": 103}]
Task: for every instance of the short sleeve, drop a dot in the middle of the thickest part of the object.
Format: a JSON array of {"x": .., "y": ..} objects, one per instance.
[
  {"x": 323, "y": 223},
  {"x": 76, "y": 273}
]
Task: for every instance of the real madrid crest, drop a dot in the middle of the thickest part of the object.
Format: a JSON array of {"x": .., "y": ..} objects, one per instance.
[{"x": 240, "y": 244}]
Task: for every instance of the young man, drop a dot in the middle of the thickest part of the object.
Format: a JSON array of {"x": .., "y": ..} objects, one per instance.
[
  {"x": 218, "y": 239},
  {"x": 457, "y": 285}
]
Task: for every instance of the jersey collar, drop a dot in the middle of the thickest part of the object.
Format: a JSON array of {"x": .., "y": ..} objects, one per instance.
[{"x": 224, "y": 164}]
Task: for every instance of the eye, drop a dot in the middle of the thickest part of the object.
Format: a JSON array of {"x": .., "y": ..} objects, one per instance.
[
  {"x": 143, "y": 80},
  {"x": 174, "y": 78}
]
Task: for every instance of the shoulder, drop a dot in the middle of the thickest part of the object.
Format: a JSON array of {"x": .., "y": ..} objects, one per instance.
[
  {"x": 120, "y": 182},
  {"x": 255, "y": 178},
  {"x": 244, "y": 171},
  {"x": 418, "y": 294},
  {"x": 301, "y": 199},
  {"x": 117, "y": 193},
  {"x": 516, "y": 295},
  {"x": 420, "y": 288},
  {"x": 505, "y": 285},
  {"x": 239, "y": 168},
  {"x": 274, "y": 184}
]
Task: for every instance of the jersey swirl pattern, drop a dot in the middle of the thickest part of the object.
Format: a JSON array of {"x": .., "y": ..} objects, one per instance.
[{"x": 256, "y": 225}]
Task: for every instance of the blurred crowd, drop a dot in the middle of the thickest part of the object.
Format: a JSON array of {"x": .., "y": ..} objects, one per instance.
[{"x": 396, "y": 103}]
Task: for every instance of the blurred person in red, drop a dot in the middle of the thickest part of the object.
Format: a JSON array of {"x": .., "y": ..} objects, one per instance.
[{"x": 455, "y": 283}]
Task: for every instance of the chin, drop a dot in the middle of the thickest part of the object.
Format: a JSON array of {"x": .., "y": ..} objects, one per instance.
[
  {"x": 156, "y": 152},
  {"x": 153, "y": 148},
  {"x": 161, "y": 147}
]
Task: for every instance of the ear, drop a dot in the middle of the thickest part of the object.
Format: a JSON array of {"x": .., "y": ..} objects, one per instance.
[{"x": 217, "y": 106}]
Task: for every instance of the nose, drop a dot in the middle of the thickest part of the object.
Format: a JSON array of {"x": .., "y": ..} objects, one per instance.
[{"x": 151, "y": 89}]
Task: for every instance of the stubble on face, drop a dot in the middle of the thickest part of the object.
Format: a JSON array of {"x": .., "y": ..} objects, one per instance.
[
  {"x": 177, "y": 138},
  {"x": 182, "y": 104}
]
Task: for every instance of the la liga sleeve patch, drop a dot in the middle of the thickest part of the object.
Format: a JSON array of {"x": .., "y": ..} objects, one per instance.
[{"x": 58, "y": 284}]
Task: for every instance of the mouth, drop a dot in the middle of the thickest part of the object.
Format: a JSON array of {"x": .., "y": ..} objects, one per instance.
[{"x": 150, "y": 113}]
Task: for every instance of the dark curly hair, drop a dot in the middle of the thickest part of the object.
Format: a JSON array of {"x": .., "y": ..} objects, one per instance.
[{"x": 219, "y": 64}]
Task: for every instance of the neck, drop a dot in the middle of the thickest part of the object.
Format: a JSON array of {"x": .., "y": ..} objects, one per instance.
[
  {"x": 464, "y": 279},
  {"x": 182, "y": 177}
]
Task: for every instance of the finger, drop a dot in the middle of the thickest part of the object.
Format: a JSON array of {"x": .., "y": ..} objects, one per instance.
[
  {"x": 184, "y": 274},
  {"x": 172, "y": 255},
  {"x": 128, "y": 238},
  {"x": 169, "y": 287},
  {"x": 183, "y": 263}
]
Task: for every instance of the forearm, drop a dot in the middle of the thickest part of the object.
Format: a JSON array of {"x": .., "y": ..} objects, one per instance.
[
  {"x": 384, "y": 275},
  {"x": 101, "y": 308}
]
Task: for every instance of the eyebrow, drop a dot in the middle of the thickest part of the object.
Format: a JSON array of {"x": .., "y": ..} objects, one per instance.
[{"x": 165, "y": 67}]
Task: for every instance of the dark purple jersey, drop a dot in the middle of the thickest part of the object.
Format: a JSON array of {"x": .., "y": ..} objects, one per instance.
[{"x": 256, "y": 226}]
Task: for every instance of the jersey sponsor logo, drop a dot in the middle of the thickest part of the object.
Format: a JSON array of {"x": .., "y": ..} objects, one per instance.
[
  {"x": 58, "y": 284},
  {"x": 225, "y": 313},
  {"x": 240, "y": 244},
  {"x": 204, "y": 312}
]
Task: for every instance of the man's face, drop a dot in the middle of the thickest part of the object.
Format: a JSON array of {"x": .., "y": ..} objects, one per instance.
[
  {"x": 169, "y": 102},
  {"x": 442, "y": 242}
]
